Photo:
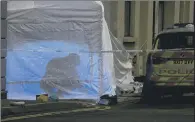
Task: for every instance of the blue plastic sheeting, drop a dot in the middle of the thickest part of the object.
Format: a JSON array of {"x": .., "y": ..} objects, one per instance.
[{"x": 26, "y": 68}]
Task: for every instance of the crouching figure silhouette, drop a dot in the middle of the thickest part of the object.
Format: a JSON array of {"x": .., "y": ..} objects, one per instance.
[{"x": 61, "y": 75}]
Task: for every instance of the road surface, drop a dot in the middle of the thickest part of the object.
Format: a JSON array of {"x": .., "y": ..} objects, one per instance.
[{"x": 169, "y": 110}]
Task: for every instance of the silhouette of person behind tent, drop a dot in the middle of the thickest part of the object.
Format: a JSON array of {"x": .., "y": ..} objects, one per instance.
[{"x": 61, "y": 75}]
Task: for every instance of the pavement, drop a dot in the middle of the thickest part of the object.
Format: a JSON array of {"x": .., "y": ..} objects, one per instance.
[
  {"x": 32, "y": 106},
  {"x": 130, "y": 110}
]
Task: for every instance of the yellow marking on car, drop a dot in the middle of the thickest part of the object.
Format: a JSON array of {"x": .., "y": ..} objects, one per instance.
[
  {"x": 173, "y": 54},
  {"x": 175, "y": 84},
  {"x": 171, "y": 79},
  {"x": 55, "y": 113}
]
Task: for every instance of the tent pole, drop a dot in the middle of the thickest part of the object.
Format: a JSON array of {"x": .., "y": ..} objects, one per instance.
[
  {"x": 101, "y": 73},
  {"x": 91, "y": 68}
]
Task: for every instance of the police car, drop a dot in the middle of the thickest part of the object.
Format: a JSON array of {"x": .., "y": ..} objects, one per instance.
[{"x": 170, "y": 65}]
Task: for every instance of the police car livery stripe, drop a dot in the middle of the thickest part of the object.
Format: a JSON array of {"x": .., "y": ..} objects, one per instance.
[
  {"x": 158, "y": 54},
  {"x": 156, "y": 78},
  {"x": 182, "y": 54},
  {"x": 175, "y": 84},
  {"x": 190, "y": 78},
  {"x": 173, "y": 54}
]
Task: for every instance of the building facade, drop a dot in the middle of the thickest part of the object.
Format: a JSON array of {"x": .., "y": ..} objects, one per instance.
[{"x": 136, "y": 23}]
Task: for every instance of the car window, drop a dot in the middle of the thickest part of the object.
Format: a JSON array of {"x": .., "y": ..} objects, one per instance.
[{"x": 175, "y": 40}]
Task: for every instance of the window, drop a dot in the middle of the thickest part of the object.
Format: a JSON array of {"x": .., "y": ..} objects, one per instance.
[
  {"x": 127, "y": 18},
  {"x": 161, "y": 15},
  {"x": 176, "y": 40}
]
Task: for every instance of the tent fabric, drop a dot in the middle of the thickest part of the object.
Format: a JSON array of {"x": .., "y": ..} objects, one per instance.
[{"x": 59, "y": 48}]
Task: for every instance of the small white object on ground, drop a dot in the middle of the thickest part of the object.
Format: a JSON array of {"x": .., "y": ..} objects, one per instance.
[
  {"x": 138, "y": 87},
  {"x": 129, "y": 89},
  {"x": 17, "y": 103}
]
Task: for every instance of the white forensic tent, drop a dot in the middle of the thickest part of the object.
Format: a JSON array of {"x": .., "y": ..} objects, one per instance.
[{"x": 62, "y": 48}]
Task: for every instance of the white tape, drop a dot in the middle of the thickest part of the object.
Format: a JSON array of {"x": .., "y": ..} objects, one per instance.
[
  {"x": 83, "y": 51},
  {"x": 22, "y": 82}
]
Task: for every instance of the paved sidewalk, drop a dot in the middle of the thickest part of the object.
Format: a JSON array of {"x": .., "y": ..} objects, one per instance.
[{"x": 35, "y": 107}]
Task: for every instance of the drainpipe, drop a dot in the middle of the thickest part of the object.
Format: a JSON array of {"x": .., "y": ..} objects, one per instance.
[{"x": 3, "y": 48}]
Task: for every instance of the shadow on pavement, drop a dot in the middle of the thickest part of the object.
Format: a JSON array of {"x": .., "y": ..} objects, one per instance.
[{"x": 164, "y": 103}]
